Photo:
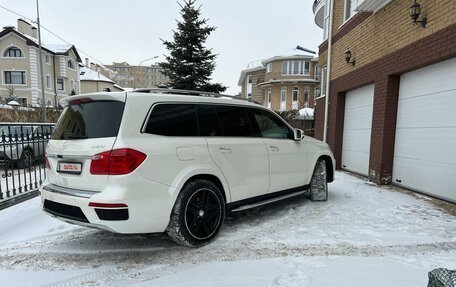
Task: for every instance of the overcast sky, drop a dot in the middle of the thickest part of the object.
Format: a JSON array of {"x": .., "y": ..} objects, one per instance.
[{"x": 112, "y": 30}]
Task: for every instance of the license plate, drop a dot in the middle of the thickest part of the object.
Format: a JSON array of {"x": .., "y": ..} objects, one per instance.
[{"x": 70, "y": 167}]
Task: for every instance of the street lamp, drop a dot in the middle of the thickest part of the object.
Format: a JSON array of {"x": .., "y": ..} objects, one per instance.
[
  {"x": 305, "y": 50},
  {"x": 139, "y": 65},
  {"x": 147, "y": 60}
]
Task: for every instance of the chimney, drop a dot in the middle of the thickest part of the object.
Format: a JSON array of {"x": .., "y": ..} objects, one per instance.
[
  {"x": 35, "y": 32},
  {"x": 87, "y": 63},
  {"x": 24, "y": 27}
]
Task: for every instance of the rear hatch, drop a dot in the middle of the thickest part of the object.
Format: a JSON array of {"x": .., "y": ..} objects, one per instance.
[{"x": 88, "y": 126}]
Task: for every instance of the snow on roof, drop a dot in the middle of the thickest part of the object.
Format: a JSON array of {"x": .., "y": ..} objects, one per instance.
[
  {"x": 306, "y": 114},
  {"x": 58, "y": 48},
  {"x": 13, "y": 103},
  {"x": 3, "y": 106},
  {"x": 119, "y": 87},
  {"x": 55, "y": 48},
  {"x": 87, "y": 74}
]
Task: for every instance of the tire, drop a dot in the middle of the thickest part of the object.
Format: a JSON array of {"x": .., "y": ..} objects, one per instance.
[
  {"x": 26, "y": 159},
  {"x": 197, "y": 215},
  {"x": 319, "y": 183}
]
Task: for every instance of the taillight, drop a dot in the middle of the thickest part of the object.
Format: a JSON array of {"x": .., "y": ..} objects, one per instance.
[
  {"x": 46, "y": 162},
  {"x": 116, "y": 162}
]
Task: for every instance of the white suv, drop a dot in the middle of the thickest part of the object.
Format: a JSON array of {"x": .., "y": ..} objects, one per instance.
[{"x": 176, "y": 161}]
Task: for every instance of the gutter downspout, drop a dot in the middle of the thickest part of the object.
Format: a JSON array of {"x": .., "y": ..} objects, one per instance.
[{"x": 328, "y": 71}]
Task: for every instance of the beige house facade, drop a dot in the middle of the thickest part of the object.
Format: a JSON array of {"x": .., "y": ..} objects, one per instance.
[
  {"x": 282, "y": 83},
  {"x": 93, "y": 81},
  {"x": 129, "y": 76},
  {"x": 20, "y": 72}
]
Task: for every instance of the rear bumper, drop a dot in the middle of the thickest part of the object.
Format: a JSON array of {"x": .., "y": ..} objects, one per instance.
[{"x": 142, "y": 211}]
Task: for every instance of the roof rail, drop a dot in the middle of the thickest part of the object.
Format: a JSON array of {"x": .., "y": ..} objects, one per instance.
[{"x": 190, "y": 93}]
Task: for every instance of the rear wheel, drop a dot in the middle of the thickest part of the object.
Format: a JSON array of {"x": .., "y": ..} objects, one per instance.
[
  {"x": 319, "y": 183},
  {"x": 197, "y": 215}
]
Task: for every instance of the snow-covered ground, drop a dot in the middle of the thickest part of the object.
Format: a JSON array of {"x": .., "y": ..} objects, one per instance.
[{"x": 363, "y": 236}]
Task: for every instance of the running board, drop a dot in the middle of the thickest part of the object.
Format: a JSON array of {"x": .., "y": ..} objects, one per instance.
[{"x": 267, "y": 201}]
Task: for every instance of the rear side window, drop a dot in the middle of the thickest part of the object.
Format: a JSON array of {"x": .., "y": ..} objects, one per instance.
[
  {"x": 87, "y": 120},
  {"x": 173, "y": 120},
  {"x": 209, "y": 123},
  {"x": 233, "y": 121}
]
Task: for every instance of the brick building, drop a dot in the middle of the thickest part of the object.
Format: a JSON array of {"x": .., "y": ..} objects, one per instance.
[
  {"x": 391, "y": 98},
  {"x": 282, "y": 82}
]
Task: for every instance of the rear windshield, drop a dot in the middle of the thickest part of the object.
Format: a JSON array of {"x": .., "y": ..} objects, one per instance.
[{"x": 88, "y": 120}]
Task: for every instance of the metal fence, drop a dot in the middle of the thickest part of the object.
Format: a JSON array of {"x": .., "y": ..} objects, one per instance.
[{"x": 22, "y": 166}]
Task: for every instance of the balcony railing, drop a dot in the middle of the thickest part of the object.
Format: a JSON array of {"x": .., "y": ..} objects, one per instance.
[{"x": 315, "y": 5}]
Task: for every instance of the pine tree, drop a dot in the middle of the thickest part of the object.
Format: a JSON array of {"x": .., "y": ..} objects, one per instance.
[{"x": 190, "y": 64}]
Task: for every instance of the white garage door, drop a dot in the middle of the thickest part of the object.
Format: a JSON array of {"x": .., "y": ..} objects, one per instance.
[
  {"x": 425, "y": 148},
  {"x": 357, "y": 129}
]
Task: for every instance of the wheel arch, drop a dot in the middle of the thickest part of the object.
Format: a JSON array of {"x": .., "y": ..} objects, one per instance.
[
  {"x": 329, "y": 166},
  {"x": 212, "y": 178}
]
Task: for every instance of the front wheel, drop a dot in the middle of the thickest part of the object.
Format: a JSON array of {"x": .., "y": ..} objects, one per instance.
[
  {"x": 319, "y": 183},
  {"x": 198, "y": 214}
]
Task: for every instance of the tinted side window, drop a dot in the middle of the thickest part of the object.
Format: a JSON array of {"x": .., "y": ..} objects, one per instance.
[
  {"x": 208, "y": 120},
  {"x": 173, "y": 120},
  {"x": 234, "y": 121},
  {"x": 268, "y": 125}
]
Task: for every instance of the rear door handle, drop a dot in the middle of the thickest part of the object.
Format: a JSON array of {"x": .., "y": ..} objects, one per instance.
[
  {"x": 274, "y": 148},
  {"x": 225, "y": 150}
]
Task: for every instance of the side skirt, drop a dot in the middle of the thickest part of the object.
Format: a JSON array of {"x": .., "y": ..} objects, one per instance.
[{"x": 264, "y": 199}]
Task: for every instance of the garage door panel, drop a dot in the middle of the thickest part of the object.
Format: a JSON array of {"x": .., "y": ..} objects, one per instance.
[
  {"x": 356, "y": 161},
  {"x": 359, "y": 97},
  {"x": 432, "y": 178},
  {"x": 424, "y": 111},
  {"x": 438, "y": 77},
  {"x": 357, "y": 140},
  {"x": 356, "y": 118},
  {"x": 427, "y": 144},
  {"x": 357, "y": 129}
]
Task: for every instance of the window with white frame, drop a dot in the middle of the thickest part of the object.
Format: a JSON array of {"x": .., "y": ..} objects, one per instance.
[
  {"x": 269, "y": 68},
  {"x": 349, "y": 10},
  {"x": 283, "y": 98},
  {"x": 60, "y": 84},
  {"x": 294, "y": 98},
  {"x": 249, "y": 87},
  {"x": 269, "y": 95},
  {"x": 71, "y": 65},
  {"x": 22, "y": 101},
  {"x": 48, "y": 81},
  {"x": 14, "y": 78},
  {"x": 295, "y": 67},
  {"x": 13, "y": 52},
  {"x": 47, "y": 58},
  {"x": 49, "y": 103},
  {"x": 324, "y": 74},
  {"x": 317, "y": 92},
  {"x": 326, "y": 20},
  {"x": 306, "y": 96}
]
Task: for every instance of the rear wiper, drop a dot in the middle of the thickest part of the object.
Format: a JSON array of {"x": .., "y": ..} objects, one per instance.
[{"x": 73, "y": 136}]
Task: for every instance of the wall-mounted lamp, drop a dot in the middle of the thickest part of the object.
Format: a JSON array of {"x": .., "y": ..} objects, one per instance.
[
  {"x": 348, "y": 55},
  {"x": 415, "y": 11}
]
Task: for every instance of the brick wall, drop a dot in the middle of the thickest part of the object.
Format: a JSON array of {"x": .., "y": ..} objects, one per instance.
[
  {"x": 385, "y": 73},
  {"x": 373, "y": 36}
]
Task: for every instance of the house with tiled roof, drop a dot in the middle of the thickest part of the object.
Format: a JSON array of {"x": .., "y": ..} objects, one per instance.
[{"x": 20, "y": 72}]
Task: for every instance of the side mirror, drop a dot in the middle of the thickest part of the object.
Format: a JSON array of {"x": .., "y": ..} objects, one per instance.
[{"x": 298, "y": 134}]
